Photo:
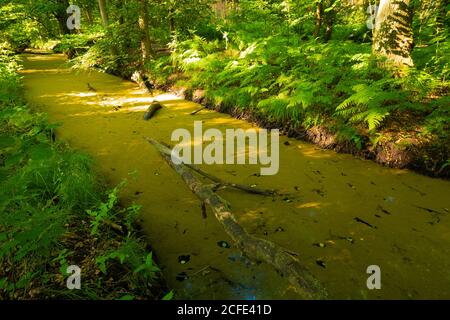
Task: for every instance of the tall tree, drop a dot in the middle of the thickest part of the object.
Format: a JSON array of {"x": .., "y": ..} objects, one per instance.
[
  {"x": 324, "y": 16},
  {"x": 330, "y": 15},
  {"x": 146, "y": 48},
  {"x": 393, "y": 35},
  {"x": 60, "y": 13},
  {"x": 103, "y": 11},
  {"x": 318, "y": 19}
]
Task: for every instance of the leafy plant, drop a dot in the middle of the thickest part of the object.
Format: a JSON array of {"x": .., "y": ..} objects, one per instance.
[{"x": 105, "y": 210}]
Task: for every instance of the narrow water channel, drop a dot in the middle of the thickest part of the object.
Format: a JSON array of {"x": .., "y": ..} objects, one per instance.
[{"x": 340, "y": 215}]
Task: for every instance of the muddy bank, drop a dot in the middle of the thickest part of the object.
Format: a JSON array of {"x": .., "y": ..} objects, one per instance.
[
  {"x": 339, "y": 213},
  {"x": 397, "y": 149}
]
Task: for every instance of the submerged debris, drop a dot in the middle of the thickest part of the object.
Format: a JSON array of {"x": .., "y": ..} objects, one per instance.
[
  {"x": 91, "y": 88},
  {"x": 184, "y": 259},
  {"x": 383, "y": 210},
  {"x": 364, "y": 222},
  {"x": 319, "y": 244},
  {"x": 204, "y": 215},
  {"x": 321, "y": 263},
  {"x": 151, "y": 111},
  {"x": 182, "y": 276},
  {"x": 223, "y": 244}
]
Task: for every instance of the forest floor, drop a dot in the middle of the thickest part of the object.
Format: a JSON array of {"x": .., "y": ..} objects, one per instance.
[
  {"x": 339, "y": 213},
  {"x": 58, "y": 219}
]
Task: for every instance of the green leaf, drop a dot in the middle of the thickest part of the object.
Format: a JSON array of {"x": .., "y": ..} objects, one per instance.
[
  {"x": 3, "y": 283},
  {"x": 168, "y": 296},
  {"x": 14, "y": 160},
  {"x": 7, "y": 142},
  {"x": 41, "y": 152}
]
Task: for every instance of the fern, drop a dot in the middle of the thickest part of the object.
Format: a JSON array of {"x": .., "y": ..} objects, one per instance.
[{"x": 371, "y": 104}]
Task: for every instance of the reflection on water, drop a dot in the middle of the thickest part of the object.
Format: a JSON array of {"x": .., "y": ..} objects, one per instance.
[{"x": 338, "y": 213}]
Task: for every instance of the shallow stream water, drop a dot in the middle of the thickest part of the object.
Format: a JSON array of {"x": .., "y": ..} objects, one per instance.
[{"x": 340, "y": 214}]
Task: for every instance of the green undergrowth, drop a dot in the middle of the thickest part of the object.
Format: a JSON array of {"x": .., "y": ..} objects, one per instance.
[
  {"x": 55, "y": 212},
  {"x": 76, "y": 44},
  {"x": 338, "y": 85},
  {"x": 300, "y": 83},
  {"x": 311, "y": 83}
]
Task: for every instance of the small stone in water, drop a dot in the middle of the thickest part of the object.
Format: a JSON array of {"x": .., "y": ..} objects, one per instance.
[
  {"x": 182, "y": 276},
  {"x": 184, "y": 259},
  {"x": 321, "y": 263},
  {"x": 320, "y": 245},
  {"x": 223, "y": 244}
]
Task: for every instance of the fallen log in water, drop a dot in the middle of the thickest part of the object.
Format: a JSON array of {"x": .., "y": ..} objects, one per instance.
[
  {"x": 255, "y": 248},
  {"x": 91, "y": 88},
  {"x": 155, "y": 106},
  {"x": 220, "y": 183},
  {"x": 197, "y": 111}
]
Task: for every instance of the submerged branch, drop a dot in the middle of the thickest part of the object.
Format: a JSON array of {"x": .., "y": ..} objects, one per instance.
[
  {"x": 255, "y": 248},
  {"x": 197, "y": 111},
  {"x": 219, "y": 182}
]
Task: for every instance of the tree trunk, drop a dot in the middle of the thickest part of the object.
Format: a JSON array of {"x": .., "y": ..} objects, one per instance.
[
  {"x": 171, "y": 21},
  {"x": 329, "y": 21},
  {"x": 255, "y": 248},
  {"x": 103, "y": 12},
  {"x": 146, "y": 49},
  {"x": 89, "y": 14},
  {"x": 393, "y": 36},
  {"x": 62, "y": 23},
  {"x": 318, "y": 18},
  {"x": 61, "y": 16}
]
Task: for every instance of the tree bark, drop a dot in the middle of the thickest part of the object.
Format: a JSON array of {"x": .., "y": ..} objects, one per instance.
[
  {"x": 393, "y": 35},
  {"x": 103, "y": 11},
  {"x": 89, "y": 15},
  {"x": 146, "y": 49},
  {"x": 255, "y": 248},
  {"x": 171, "y": 21},
  {"x": 60, "y": 14},
  {"x": 151, "y": 111},
  {"x": 329, "y": 21},
  {"x": 318, "y": 18}
]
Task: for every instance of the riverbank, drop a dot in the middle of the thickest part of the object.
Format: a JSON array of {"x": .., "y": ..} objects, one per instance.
[
  {"x": 340, "y": 99},
  {"x": 397, "y": 147},
  {"x": 56, "y": 212},
  {"x": 324, "y": 197}
]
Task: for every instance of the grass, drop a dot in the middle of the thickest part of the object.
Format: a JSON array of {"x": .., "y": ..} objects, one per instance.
[{"x": 55, "y": 212}]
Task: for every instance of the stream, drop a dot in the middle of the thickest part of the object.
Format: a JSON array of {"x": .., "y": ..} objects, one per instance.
[{"x": 340, "y": 214}]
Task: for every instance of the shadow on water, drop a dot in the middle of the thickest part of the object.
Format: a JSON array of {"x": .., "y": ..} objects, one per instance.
[{"x": 340, "y": 214}]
